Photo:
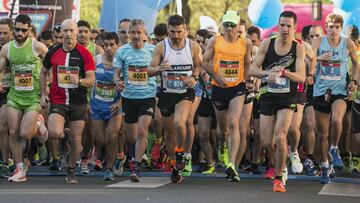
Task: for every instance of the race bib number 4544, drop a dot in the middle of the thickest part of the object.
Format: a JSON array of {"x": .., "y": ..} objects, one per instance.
[
  {"x": 24, "y": 80},
  {"x": 229, "y": 70},
  {"x": 64, "y": 74}
]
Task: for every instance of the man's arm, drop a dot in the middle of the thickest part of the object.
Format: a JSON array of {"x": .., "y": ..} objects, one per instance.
[
  {"x": 255, "y": 67},
  {"x": 43, "y": 80},
  {"x": 156, "y": 66},
  {"x": 3, "y": 57},
  {"x": 89, "y": 79},
  {"x": 247, "y": 59},
  {"x": 355, "y": 64},
  {"x": 207, "y": 63},
  {"x": 40, "y": 49},
  {"x": 196, "y": 58},
  {"x": 299, "y": 75}
]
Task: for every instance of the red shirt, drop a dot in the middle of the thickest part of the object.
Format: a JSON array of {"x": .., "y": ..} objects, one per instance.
[{"x": 78, "y": 57}]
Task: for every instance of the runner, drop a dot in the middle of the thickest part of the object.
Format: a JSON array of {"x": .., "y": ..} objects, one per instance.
[
  {"x": 177, "y": 59},
  {"x": 138, "y": 96},
  {"x": 73, "y": 72},
  {"x": 6, "y": 33},
  {"x": 280, "y": 62},
  {"x": 23, "y": 55},
  {"x": 331, "y": 90},
  {"x": 123, "y": 31},
  {"x": 105, "y": 105},
  {"x": 227, "y": 59}
]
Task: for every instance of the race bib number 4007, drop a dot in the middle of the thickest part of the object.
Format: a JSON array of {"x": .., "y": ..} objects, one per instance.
[{"x": 24, "y": 80}]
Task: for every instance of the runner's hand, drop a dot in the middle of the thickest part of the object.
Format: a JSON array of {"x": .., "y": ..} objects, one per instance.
[
  {"x": 310, "y": 80},
  {"x": 249, "y": 86},
  {"x": 165, "y": 65},
  {"x": 325, "y": 57},
  {"x": 190, "y": 82},
  {"x": 351, "y": 87},
  {"x": 114, "y": 108},
  {"x": 44, "y": 102},
  {"x": 74, "y": 79},
  {"x": 205, "y": 77},
  {"x": 2, "y": 88},
  {"x": 273, "y": 76},
  {"x": 120, "y": 85}
]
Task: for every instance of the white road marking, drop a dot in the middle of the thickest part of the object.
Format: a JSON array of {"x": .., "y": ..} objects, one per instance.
[{"x": 341, "y": 189}]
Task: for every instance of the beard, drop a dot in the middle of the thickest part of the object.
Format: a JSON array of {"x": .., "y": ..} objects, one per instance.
[{"x": 20, "y": 39}]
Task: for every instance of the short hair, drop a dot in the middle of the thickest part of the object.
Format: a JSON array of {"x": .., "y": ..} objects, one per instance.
[
  {"x": 305, "y": 31},
  {"x": 202, "y": 32},
  {"x": 135, "y": 22},
  {"x": 176, "y": 20},
  {"x": 160, "y": 29},
  {"x": 253, "y": 29},
  {"x": 95, "y": 31},
  {"x": 111, "y": 36},
  {"x": 244, "y": 23},
  {"x": 24, "y": 19},
  {"x": 334, "y": 18},
  {"x": 288, "y": 14},
  {"x": 124, "y": 20},
  {"x": 7, "y": 21},
  {"x": 84, "y": 23},
  {"x": 46, "y": 35},
  {"x": 353, "y": 32},
  {"x": 57, "y": 28}
]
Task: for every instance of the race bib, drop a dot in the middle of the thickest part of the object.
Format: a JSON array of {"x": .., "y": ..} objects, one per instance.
[
  {"x": 105, "y": 91},
  {"x": 24, "y": 80},
  {"x": 174, "y": 82},
  {"x": 229, "y": 70},
  {"x": 282, "y": 85},
  {"x": 63, "y": 76},
  {"x": 330, "y": 70},
  {"x": 138, "y": 75}
]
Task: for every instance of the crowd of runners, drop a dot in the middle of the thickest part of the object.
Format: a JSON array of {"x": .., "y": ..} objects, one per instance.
[{"x": 79, "y": 97}]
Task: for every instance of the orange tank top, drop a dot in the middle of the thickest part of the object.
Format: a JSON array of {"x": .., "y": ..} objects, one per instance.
[{"x": 229, "y": 61}]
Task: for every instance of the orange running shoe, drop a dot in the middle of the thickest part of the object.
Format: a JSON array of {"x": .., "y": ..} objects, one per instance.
[{"x": 278, "y": 186}]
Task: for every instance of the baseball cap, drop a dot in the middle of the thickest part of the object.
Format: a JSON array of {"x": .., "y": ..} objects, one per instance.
[{"x": 231, "y": 16}]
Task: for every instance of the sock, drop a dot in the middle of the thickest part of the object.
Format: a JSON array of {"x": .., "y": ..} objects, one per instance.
[
  {"x": 325, "y": 164},
  {"x": 20, "y": 166},
  {"x": 333, "y": 147},
  {"x": 293, "y": 153},
  {"x": 188, "y": 155}
]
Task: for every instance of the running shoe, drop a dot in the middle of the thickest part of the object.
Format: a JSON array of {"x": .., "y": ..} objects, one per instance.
[
  {"x": 355, "y": 164},
  {"x": 107, "y": 175},
  {"x": 346, "y": 160},
  {"x": 4, "y": 170},
  {"x": 155, "y": 152},
  {"x": 202, "y": 167},
  {"x": 98, "y": 165},
  {"x": 223, "y": 154},
  {"x": 118, "y": 168},
  {"x": 70, "y": 177},
  {"x": 134, "y": 171},
  {"x": 278, "y": 186},
  {"x": 188, "y": 167},
  {"x": 42, "y": 132},
  {"x": 168, "y": 167},
  {"x": 210, "y": 169},
  {"x": 55, "y": 165},
  {"x": 335, "y": 158},
  {"x": 176, "y": 176},
  {"x": 270, "y": 173},
  {"x": 180, "y": 160},
  {"x": 85, "y": 166},
  {"x": 19, "y": 175},
  {"x": 296, "y": 165},
  {"x": 310, "y": 167},
  {"x": 325, "y": 175},
  {"x": 231, "y": 173},
  {"x": 253, "y": 169}
]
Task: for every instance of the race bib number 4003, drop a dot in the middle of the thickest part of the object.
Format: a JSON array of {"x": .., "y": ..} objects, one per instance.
[
  {"x": 138, "y": 75},
  {"x": 64, "y": 74},
  {"x": 24, "y": 80}
]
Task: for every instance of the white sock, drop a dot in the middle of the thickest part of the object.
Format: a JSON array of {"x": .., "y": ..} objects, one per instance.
[
  {"x": 333, "y": 147},
  {"x": 20, "y": 166},
  {"x": 325, "y": 164},
  {"x": 188, "y": 155}
]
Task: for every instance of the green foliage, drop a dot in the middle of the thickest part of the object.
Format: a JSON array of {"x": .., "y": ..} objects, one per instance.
[{"x": 90, "y": 11}]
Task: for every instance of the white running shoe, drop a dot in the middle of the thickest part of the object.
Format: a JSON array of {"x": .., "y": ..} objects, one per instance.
[
  {"x": 18, "y": 175},
  {"x": 296, "y": 165}
]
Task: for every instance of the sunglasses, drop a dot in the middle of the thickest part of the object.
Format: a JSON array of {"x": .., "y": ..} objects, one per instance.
[
  {"x": 57, "y": 28},
  {"x": 229, "y": 24},
  {"x": 124, "y": 31},
  {"x": 21, "y": 29}
]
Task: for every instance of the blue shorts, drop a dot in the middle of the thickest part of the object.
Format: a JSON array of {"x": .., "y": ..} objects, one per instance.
[
  {"x": 198, "y": 89},
  {"x": 103, "y": 114}
]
